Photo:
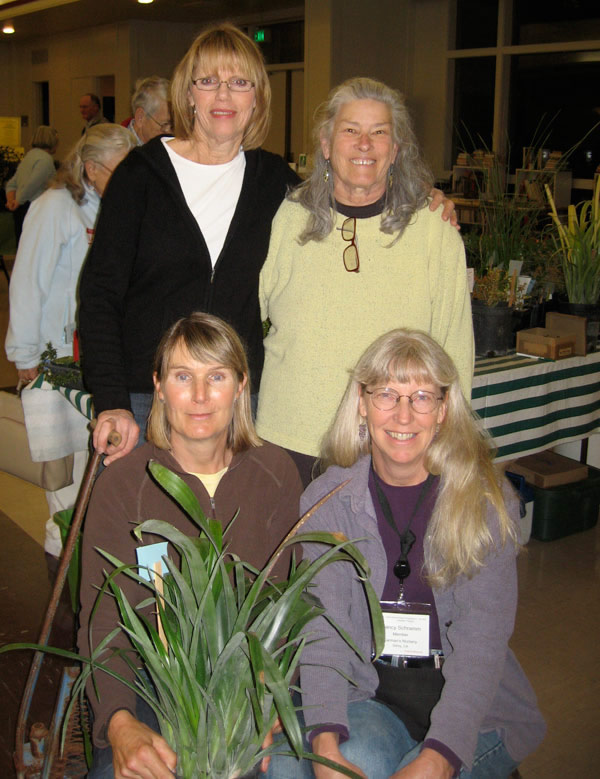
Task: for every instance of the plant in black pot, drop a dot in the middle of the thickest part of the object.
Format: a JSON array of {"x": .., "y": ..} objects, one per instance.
[
  {"x": 509, "y": 233},
  {"x": 577, "y": 244}
]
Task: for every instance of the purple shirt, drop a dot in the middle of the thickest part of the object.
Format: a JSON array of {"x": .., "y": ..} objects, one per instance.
[{"x": 402, "y": 502}]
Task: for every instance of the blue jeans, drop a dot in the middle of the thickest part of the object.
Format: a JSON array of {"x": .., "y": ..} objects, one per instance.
[
  {"x": 380, "y": 745},
  {"x": 141, "y": 403}
]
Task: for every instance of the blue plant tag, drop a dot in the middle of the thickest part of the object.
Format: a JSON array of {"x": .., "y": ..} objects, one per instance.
[{"x": 148, "y": 555}]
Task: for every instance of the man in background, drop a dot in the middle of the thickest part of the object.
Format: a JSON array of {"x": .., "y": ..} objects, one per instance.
[
  {"x": 91, "y": 110},
  {"x": 151, "y": 115}
]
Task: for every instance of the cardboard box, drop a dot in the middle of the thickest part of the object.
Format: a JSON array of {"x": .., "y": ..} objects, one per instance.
[
  {"x": 548, "y": 469},
  {"x": 569, "y": 325},
  {"x": 541, "y": 342}
]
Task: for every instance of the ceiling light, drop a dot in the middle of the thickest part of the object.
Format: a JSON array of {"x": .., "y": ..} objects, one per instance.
[
  {"x": 8, "y": 28},
  {"x": 144, "y": 2}
]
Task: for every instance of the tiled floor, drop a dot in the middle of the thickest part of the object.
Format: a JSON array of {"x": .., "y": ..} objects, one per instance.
[{"x": 556, "y": 637}]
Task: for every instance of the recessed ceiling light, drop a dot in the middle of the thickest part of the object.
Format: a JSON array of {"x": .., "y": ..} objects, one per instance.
[
  {"x": 144, "y": 2},
  {"x": 8, "y": 28}
]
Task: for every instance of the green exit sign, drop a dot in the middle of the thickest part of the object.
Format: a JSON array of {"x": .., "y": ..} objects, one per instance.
[{"x": 259, "y": 36}]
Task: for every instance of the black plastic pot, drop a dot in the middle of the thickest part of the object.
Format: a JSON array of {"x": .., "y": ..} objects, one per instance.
[
  {"x": 493, "y": 328},
  {"x": 591, "y": 311}
]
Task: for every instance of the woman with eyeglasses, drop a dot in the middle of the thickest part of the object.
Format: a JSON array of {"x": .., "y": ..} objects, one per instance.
[
  {"x": 437, "y": 524},
  {"x": 355, "y": 251},
  {"x": 57, "y": 233},
  {"x": 185, "y": 226}
]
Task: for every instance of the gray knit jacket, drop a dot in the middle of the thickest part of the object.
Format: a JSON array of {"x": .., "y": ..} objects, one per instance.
[{"x": 485, "y": 688}]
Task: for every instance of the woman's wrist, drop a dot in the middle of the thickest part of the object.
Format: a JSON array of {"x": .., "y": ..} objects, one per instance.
[{"x": 326, "y": 743}]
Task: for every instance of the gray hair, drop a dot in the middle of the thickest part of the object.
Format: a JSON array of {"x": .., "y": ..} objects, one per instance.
[
  {"x": 148, "y": 94},
  {"x": 44, "y": 137},
  {"x": 411, "y": 179},
  {"x": 96, "y": 144}
]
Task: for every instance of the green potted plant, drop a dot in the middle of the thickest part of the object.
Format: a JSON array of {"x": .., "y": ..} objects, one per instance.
[
  {"x": 577, "y": 244},
  {"x": 221, "y": 660},
  {"x": 509, "y": 228}
]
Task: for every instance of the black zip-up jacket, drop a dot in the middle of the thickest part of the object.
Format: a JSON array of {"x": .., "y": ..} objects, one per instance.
[{"x": 149, "y": 265}]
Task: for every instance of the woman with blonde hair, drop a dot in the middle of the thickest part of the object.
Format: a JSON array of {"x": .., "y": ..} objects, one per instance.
[
  {"x": 185, "y": 226},
  {"x": 57, "y": 234},
  {"x": 436, "y": 523},
  {"x": 200, "y": 427}
]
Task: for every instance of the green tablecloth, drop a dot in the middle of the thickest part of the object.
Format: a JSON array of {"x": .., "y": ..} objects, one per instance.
[{"x": 529, "y": 405}]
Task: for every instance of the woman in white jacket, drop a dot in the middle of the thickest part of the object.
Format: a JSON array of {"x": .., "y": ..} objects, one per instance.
[{"x": 57, "y": 232}]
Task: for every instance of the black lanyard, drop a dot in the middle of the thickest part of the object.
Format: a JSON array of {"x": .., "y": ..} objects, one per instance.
[{"x": 407, "y": 537}]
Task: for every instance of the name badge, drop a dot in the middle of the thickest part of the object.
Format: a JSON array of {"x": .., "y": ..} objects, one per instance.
[{"x": 407, "y": 628}]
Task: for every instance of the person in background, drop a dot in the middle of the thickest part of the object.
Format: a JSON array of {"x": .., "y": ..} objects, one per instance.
[
  {"x": 57, "y": 234},
  {"x": 151, "y": 113},
  {"x": 32, "y": 175},
  {"x": 436, "y": 522},
  {"x": 185, "y": 226},
  {"x": 355, "y": 251},
  {"x": 201, "y": 428},
  {"x": 90, "y": 109}
]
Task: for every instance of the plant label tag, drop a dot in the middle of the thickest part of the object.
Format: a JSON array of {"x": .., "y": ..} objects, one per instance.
[{"x": 148, "y": 556}]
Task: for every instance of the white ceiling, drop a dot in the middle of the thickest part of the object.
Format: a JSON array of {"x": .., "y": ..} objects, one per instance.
[{"x": 88, "y": 13}]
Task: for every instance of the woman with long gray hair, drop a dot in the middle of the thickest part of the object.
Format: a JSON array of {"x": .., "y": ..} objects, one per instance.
[{"x": 355, "y": 251}]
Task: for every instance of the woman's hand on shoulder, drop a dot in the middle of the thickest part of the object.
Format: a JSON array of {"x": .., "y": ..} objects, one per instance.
[
  {"x": 122, "y": 421},
  {"x": 326, "y": 745},
  {"x": 138, "y": 750},
  {"x": 428, "y": 765},
  {"x": 448, "y": 212}
]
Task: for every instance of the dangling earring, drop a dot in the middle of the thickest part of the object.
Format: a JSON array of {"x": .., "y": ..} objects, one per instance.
[
  {"x": 362, "y": 432},
  {"x": 326, "y": 171},
  {"x": 391, "y": 177}
]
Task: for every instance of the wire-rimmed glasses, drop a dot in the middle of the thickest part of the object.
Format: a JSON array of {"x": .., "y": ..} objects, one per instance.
[
  {"x": 213, "y": 83},
  {"x": 421, "y": 401},
  {"x": 164, "y": 126},
  {"x": 350, "y": 255}
]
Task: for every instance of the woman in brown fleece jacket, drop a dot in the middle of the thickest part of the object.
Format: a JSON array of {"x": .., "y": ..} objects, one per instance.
[{"x": 200, "y": 427}]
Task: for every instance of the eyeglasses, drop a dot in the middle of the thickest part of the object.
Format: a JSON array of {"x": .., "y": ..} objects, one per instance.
[
  {"x": 102, "y": 165},
  {"x": 421, "y": 401},
  {"x": 212, "y": 84},
  {"x": 165, "y": 126},
  {"x": 350, "y": 255}
]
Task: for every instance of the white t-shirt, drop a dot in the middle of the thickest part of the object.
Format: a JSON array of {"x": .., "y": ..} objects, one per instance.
[{"x": 212, "y": 193}]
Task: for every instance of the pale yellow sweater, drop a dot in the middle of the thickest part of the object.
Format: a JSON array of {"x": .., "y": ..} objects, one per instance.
[{"x": 323, "y": 317}]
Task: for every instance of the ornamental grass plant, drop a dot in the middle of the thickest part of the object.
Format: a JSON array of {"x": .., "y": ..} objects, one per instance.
[
  {"x": 220, "y": 660},
  {"x": 577, "y": 243}
]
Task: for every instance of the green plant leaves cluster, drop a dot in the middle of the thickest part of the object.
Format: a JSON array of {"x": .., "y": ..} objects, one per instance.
[
  {"x": 221, "y": 675},
  {"x": 578, "y": 244}
]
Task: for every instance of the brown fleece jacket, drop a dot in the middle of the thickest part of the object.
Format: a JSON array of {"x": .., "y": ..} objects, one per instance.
[{"x": 262, "y": 482}]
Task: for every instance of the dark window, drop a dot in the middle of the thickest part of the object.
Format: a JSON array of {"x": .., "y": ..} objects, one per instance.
[
  {"x": 552, "y": 21},
  {"x": 555, "y": 94},
  {"x": 476, "y": 24},
  {"x": 473, "y": 104}
]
